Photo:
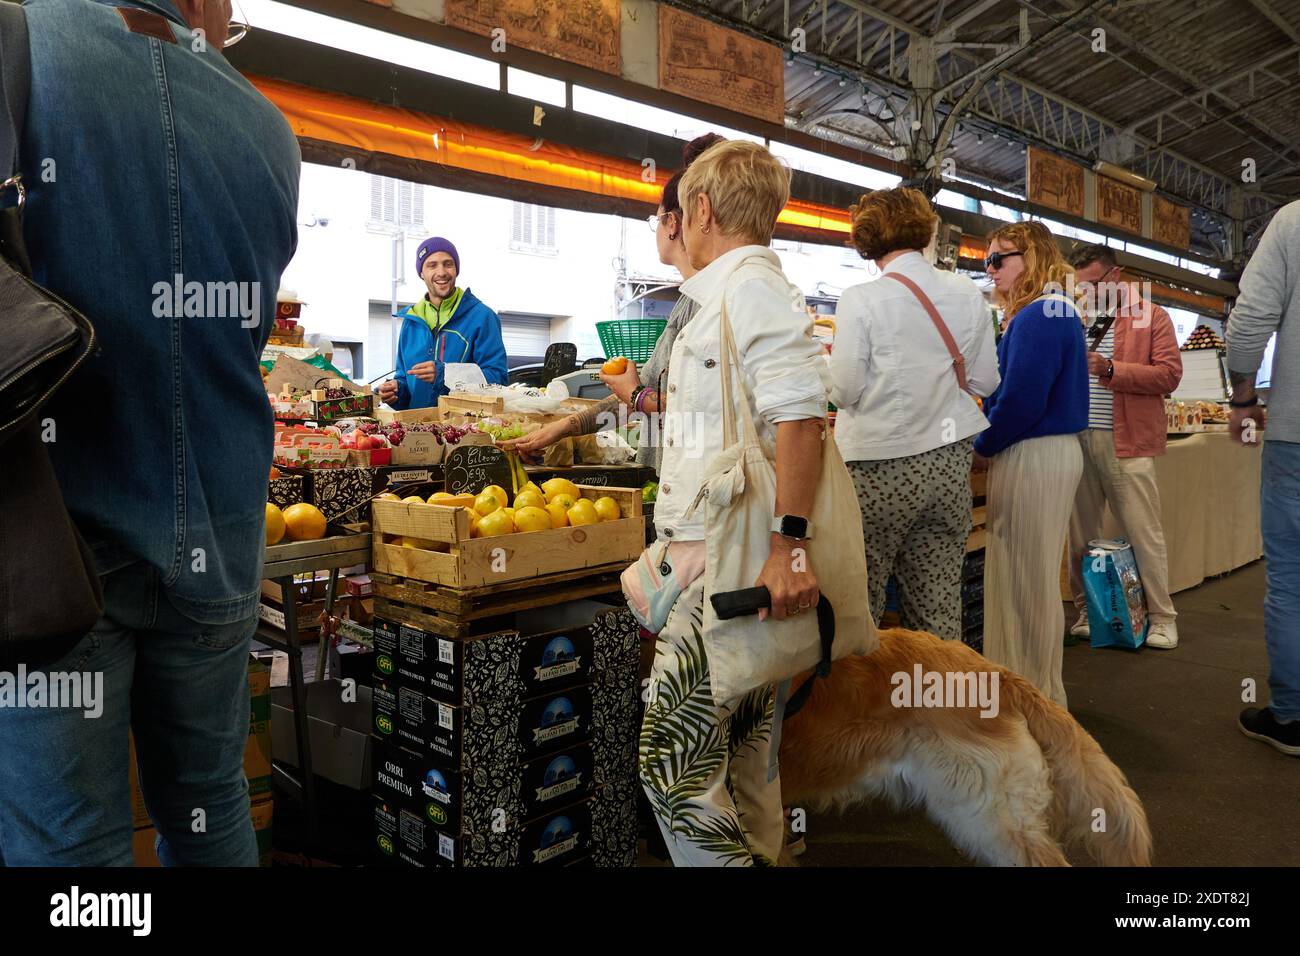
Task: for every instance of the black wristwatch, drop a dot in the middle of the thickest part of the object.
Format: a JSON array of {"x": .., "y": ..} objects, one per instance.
[
  {"x": 1110, "y": 368},
  {"x": 1254, "y": 400},
  {"x": 792, "y": 526}
]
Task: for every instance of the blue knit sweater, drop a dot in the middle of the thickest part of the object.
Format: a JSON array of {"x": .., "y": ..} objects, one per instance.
[{"x": 1044, "y": 388}]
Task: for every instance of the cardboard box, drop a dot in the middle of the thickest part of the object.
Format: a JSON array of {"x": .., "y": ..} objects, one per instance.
[
  {"x": 337, "y": 729},
  {"x": 500, "y": 732},
  {"x": 358, "y": 585},
  {"x": 478, "y": 801},
  {"x": 419, "y": 448},
  {"x": 144, "y": 839},
  {"x": 507, "y": 663},
  {"x": 402, "y": 834}
]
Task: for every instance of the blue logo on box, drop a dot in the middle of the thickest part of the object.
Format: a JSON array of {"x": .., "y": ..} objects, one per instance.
[
  {"x": 558, "y": 651},
  {"x": 557, "y": 712},
  {"x": 560, "y": 769},
  {"x": 556, "y": 831},
  {"x": 435, "y": 781}
]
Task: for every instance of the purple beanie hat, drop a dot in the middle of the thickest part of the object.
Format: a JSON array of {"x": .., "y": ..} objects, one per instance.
[{"x": 429, "y": 247}]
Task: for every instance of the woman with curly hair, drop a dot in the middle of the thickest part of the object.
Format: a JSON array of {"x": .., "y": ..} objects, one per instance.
[{"x": 1032, "y": 452}]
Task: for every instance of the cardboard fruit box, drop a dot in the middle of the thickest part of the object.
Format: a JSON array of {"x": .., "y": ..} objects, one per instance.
[
  {"x": 498, "y": 732},
  {"x": 404, "y": 835},
  {"x": 475, "y": 801},
  {"x": 555, "y": 652},
  {"x": 471, "y": 562}
]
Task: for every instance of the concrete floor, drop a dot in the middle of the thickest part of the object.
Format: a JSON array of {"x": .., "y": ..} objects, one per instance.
[{"x": 1168, "y": 720}]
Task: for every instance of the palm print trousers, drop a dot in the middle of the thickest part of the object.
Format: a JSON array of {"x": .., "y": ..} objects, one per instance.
[{"x": 705, "y": 767}]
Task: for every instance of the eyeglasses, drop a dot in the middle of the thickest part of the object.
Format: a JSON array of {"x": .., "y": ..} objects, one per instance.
[
  {"x": 994, "y": 260},
  {"x": 238, "y": 28},
  {"x": 654, "y": 221}
]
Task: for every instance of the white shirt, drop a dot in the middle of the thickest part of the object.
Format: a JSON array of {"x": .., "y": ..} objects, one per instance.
[
  {"x": 781, "y": 363},
  {"x": 892, "y": 379},
  {"x": 1101, "y": 400}
]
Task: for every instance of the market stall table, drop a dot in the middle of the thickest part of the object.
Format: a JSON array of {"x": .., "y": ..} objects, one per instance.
[{"x": 283, "y": 561}]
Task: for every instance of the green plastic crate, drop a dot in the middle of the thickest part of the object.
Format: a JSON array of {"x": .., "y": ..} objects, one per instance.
[{"x": 632, "y": 338}]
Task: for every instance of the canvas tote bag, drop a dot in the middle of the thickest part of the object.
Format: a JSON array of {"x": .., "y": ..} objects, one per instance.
[{"x": 739, "y": 496}]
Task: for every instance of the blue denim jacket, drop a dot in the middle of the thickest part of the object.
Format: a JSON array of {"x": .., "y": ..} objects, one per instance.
[{"x": 145, "y": 161}]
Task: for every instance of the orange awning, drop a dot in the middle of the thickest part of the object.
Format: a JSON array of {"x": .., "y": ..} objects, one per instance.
[{"x": 360, "y": 124}]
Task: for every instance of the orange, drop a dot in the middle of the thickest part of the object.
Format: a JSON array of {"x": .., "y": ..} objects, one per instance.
[
  {"x": 532, "y": 518},
  {"x": 486, "y": 503},
  {"x": 499, "y": 493},
  {"x": 615, "y": 366},
  {"x": 304, "y": 522},
  {"x": 495, "y": 523},
  {"x": 274, "y": 524},
  {"x": 530, "y": 499},
  {"x": 583, "y": 512},
  {"x": 557, "y": 511},
  {"x": 607, "y": 509}
]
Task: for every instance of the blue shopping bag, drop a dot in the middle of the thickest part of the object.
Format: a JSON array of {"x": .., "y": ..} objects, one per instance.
[{"x": 1117, "y": 605}]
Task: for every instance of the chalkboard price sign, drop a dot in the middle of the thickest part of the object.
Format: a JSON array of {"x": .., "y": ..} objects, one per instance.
[{"x": 472, "y": 468}]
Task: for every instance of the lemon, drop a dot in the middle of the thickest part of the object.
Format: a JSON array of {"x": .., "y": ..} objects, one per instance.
[
  {"x": 564, "y": 500},
  {"x": 387, "y": 496},
  {"x": 499, "y": 493},
  {"x": 532, "y": 518},
  {"x": 413, "y": 500},
  {"x": 473, "y": 521},
  {"x": 440, "y": 495},
  {"x": 486, "y": 503},
  {"x": 560, "y": 486},
  {"x": 558, "y": 513},
  {"x": 274, "y": 524},
  {"x": 511, "y": 513},
  {"x": 425, "y": 543},
  {"x": 583, "y": 512},
  {"x": 607, "y": 509},
  {"x": 532, "y": 487},
  {"x": 495, "y": 523},
  {"x": 530, "y": 499}
]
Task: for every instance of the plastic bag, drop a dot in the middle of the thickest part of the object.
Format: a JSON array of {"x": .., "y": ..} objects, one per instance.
[{"x": 1117, "y": 605}]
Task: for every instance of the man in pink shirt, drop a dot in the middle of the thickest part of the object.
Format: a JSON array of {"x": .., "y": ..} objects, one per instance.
[{"x": 1133, "y": 362}]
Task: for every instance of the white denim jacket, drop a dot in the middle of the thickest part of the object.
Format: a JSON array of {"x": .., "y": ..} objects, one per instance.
[{"x": 783, "y": 366}]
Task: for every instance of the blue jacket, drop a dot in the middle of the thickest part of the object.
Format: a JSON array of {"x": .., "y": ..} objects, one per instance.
[
  {"x": 1044, "y": 388},
  {"x": 472, "y": 335},
  {"x": 146, "y": 160}
]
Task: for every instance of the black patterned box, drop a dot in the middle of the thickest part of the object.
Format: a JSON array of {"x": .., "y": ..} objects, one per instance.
[
  {"x": 482, "y": 799},
  {"x": 287, "y": 490},
  {"x": 616, "y": 696},
  {"x": 499, "y": 732},
  {"x": 342, "y": 494},
  {"x": 614, "y": 831},
  {"x": 505, "y": 664},
  {"x": 403, "y": 834}
]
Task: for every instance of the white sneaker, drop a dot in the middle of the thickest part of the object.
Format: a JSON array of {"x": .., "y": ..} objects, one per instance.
[
  {"x": 1080, "y": 628},
  {"x": 1163, "y": 635}
]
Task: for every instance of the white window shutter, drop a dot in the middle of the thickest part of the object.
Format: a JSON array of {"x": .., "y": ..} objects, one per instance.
[
  {"x": 376, "y": 198},
  {"x": 548, "y": 240},
  {"x": 390, "y": 203},
  {"x": 417, "y": 204},
  {"x": 516, "y": 230}
]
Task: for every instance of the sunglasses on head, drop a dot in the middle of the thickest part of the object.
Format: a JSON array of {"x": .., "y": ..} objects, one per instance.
[{"x": 994, "y": 260}]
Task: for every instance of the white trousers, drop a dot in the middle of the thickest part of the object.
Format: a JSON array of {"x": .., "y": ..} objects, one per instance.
[{"x": 1031, "y": 492}]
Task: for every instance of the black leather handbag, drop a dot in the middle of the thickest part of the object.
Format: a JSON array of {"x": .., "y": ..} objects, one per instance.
[{"x": 49, "y": 590}]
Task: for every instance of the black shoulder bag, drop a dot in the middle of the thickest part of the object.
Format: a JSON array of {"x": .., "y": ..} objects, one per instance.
[{"x": 49, "y": 590}]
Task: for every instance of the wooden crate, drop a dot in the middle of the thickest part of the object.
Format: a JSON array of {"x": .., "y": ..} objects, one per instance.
[
  {"x": 476, "y": 562},
  {"x": 455, "y": 612}
]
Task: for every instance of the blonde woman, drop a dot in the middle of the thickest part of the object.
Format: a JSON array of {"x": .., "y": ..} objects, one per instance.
[
  {"x": 906, "y": 419},
  {"x": 705, "y": 767},
  {"x": 1032, "y": 452}
]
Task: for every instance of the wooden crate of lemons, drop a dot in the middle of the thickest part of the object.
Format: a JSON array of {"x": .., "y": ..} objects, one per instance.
[{"x": 472, "y": 541}]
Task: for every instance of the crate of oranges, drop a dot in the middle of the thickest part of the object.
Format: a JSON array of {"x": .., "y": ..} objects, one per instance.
[{"x": 471, "y": 541}]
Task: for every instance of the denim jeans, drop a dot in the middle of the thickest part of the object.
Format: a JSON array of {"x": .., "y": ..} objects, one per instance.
[
  {"x": 1280, "y": 522},
  {"x": 182, "y": 688}
]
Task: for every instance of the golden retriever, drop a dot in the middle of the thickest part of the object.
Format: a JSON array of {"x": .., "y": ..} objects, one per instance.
[{"x": 1007, "y": 789}]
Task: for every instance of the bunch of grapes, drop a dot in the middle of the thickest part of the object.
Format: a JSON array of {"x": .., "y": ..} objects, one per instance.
[{"x": 501, "y": 431}]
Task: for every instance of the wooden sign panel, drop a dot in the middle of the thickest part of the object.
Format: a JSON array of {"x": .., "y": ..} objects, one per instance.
[
  {"x": 715, "y": 65},
  {"x": 586, "y": 32},
  {"x": 1170, "y": 223},
  {"x": 1053, "y": 181},
  {"x": 471, "y": 469},
  {"x": 1119, "y": 205}
]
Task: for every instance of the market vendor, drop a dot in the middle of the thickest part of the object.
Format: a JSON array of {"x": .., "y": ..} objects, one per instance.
[{"x": 448, "y": 325}]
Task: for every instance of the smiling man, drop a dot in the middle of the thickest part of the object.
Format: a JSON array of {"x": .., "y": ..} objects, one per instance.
[{"x": 449, "y": 324}]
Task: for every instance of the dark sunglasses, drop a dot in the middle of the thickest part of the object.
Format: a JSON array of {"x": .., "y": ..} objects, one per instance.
[{"x": 994, "y": 260}]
